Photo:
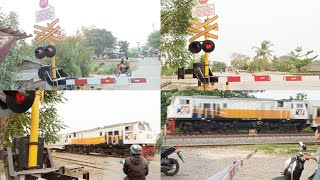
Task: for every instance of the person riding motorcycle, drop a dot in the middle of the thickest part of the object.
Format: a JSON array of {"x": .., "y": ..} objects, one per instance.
[
  {"x": 136, "y": 167},
  {"x": 122, "y": 65},
  {"x": 315, "y": 156}
]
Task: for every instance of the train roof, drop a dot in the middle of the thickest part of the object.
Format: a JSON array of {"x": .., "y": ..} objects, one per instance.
[
  {"x": 236, "y": 98},
  {"x": 111, "y": 126}
]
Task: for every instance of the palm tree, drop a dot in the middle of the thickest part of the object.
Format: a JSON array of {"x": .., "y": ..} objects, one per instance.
[{"x": 264, "y": 51}]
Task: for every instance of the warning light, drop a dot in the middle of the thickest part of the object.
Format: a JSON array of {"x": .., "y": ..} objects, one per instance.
[{"x": 208, "y": 46}]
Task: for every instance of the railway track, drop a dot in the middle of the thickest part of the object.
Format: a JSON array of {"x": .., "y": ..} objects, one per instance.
[
  {"x": 231, "y": 140},
  {"x": 84, "y": 163},
  {"x": 229, "y": 135}
]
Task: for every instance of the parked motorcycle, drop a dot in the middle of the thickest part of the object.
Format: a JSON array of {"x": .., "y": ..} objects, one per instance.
[
  {"x": 170, "y": 166},
  {"x": 294, "y": 166},
  {"x": 124, "y": 70}
]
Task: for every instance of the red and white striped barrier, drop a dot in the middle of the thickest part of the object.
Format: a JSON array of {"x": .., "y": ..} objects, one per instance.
[
  {"x": 268, "y": 78},
  {"x": 229, "y": 172},
  {"x": 111, "y": 81}
]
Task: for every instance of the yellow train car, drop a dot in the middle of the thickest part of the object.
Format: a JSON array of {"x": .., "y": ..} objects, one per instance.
[{"x": 210, "y": 113}]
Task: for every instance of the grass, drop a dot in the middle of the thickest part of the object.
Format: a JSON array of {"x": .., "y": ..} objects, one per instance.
[
  {"x": 108, "y": 68},
  {"x": 278, "y": 149}
]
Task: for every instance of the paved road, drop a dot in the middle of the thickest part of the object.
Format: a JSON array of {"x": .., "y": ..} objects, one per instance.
[
  {"x": 115, "y": 171},
  {"x": 146, "y": 68}
]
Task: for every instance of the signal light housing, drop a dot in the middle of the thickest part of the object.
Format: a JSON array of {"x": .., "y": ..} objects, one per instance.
[
  {"x": 195, "y": 47},
  {"x": 39, "y": 52},
  {"x": 50, "y": 51},
  {"x": 19, "y": 102},
  {"x": 207, "y": 46}
]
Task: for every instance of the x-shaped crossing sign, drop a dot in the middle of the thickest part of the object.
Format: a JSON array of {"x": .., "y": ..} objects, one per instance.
[
  {"x": 207, "y": 28},
  {"x": 47, "y": 32}
]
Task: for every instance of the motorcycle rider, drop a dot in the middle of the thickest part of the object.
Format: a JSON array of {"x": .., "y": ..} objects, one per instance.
[
  {"x": 122, "y": 65},
  {"x": 136, "y": 167},
  {"x": 314, "y": 156}
]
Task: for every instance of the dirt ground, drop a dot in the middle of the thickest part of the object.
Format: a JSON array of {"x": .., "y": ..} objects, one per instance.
[{"x": 202, "y": 163}]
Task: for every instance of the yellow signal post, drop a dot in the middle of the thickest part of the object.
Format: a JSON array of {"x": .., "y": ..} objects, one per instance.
[
  {"x": 33, "y": 146},
  {"x": 53, "y": 63},
  {"x": 206, "y": 67},
  {"x": 82, "y": 87}
]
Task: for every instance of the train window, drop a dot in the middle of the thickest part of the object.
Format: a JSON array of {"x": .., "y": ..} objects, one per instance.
[
  {"x": 100, "y": 133},
  {"x": 141, "y": 127},
  {"x": 69, "y": 136},
  {"x": 74, "y": 135},
  {"x": 129, "y": 128},
  {"x": 280, "y": 104},
  {"x": 224, "y": 105},
  {"x": 110, "y": 133},
  {"x": 291, "y": 105},
  {"x": 299, "y": 105},
  {"x": 184, "y": 101},
  {"x": 149, "y": 128},
  {"x": 116, "y": 133},
  {"x": 318, "y": 112},
  {"x": 214, "y": 106}
]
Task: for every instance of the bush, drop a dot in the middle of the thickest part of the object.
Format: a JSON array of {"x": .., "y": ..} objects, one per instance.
[{"x": 107, "y": 70}]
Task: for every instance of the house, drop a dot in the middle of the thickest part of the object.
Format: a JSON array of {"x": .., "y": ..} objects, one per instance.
[
  {"x": 314, "y": 68},
  {"x": 28, "y": 77}
]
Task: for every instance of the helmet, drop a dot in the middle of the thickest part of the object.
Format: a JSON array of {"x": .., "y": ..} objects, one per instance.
[{"x": 135, "y": 150}]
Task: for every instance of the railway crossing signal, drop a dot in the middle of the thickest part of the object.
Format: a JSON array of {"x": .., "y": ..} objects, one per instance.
[
  {"x": 15, "y": 102},
  {"x": 207, "y": 46},
  {"x": 203, "y": 29},
  {"x": 49, "y": 51}
]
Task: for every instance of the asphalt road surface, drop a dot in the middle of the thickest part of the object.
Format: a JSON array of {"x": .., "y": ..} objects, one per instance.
[{"x": 146, "y": 68}]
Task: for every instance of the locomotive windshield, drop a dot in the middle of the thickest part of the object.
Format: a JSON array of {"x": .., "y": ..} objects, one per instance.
[{"x": 141, "y": 127}]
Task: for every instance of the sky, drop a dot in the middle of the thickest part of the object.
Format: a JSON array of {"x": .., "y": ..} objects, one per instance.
[
  {"x": 91, "y": 109},
  {"x": 246, "y": 23},
  {"x": 128, "y": 20}
]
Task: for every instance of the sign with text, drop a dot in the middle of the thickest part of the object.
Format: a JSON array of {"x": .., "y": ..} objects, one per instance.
[
  {"x": 203, "y": 10},
  {"x": 45, "y": 14}
]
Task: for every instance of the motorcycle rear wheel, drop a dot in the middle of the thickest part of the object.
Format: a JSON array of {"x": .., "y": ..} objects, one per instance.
[
  {"x": 128, "y": 73},
  {"x": 175, "y": 163},
  {"x": 117, "y": 73}
]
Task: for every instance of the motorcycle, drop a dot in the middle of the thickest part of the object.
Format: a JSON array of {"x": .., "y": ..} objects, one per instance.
[
  {"x": 124, "y": 70},
  {"x": 294, "y": 166},
  {"x": 170, "y": 166}
]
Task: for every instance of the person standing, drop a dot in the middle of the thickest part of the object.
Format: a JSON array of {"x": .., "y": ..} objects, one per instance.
[{"x": 136, "y": 167}]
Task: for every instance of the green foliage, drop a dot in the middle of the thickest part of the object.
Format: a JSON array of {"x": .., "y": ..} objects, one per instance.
[
  {"x": 282, "y": 64},
  {"x": 154, "y": 40},
  {"x": 174, "y": 22},
  {"x": 159, "y": 141},
  {"x": 263, "y": 56},
  {"x": 195, "y": 60},
  {"x": 100, "y": 40},
  {"x": 8, "y": 68},
  {"x": 124, "y": 45},
  {"x": 218, "y": 66},
  {"x": 49, "y": 123},
  {"x": 133, "y": 54},
  {"x": 166, "y": 97},
  {"x": 301, "y": 61},
  {"x": 107, "y": 69},
  {"x": 74, "y": 57},
  {"x": 239, "y": 60},
  {"x": 300, "y": 96}
]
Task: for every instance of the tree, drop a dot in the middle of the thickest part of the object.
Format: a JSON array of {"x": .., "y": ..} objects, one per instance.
[
  {"x": 300, "y": 96},
  {"x": 49, "y": 122},
  {"x": 154, "y": 40},
  {"x": 8, "y": 69},
  {"x": 166, "y": 97},
  {"x": 74, "y": 56},
  {"x": 239, "y": 60},
  {"x": 124, "y": 46},
  {"x": 263, "y": 56},
  {"x": 301, "y": 61},
  {"x": 218, "y": 66},
  {"x": 101, "y": 40},
  {"x": 281, "y": 64},
  {"x": 174, "y": 22}
]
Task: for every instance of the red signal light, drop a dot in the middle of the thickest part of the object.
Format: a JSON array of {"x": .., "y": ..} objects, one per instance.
[
  {"x": 20, "y": 98},
  {"x": 208, "y": 45}
]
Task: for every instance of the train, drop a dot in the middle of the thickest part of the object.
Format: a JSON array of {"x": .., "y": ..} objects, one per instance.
[
  {"x": 111, "y": 140},
  {"x": 216, "y": 114}
]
